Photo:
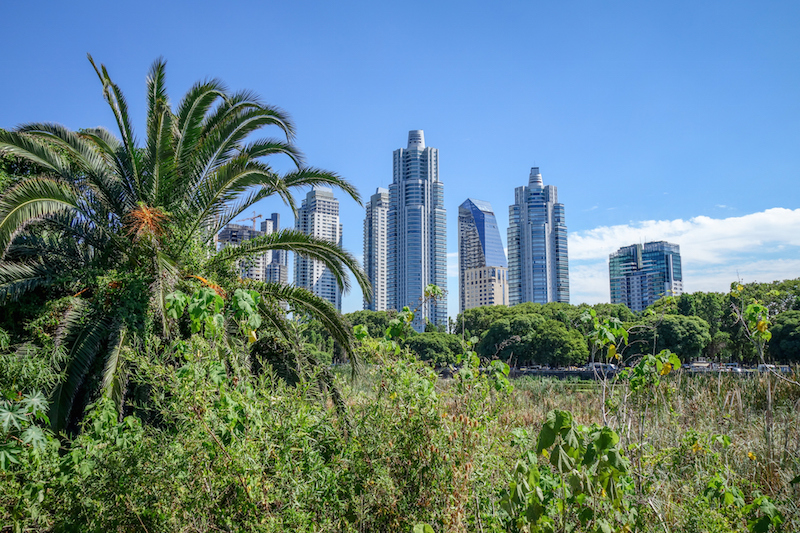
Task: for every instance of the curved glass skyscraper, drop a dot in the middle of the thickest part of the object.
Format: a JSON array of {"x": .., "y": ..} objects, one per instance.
[{"x": 479, "y": 245}]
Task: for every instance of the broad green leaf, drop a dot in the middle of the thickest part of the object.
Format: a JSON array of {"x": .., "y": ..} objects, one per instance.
[
  {"x": 606, "y": 439},
  {"x": 561, "y": 459},
  {"x": 35, "y": 404},
  {"x": 10, "y": 415},
  {"x": 34, "y": 436}
]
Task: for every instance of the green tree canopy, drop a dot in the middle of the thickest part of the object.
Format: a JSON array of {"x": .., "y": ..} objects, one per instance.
[{"x": 785, "y": 342}]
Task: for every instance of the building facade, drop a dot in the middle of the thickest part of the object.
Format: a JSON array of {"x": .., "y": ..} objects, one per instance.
[
  {"x": 276, "y": 268},
  {"x": 485, "y": 286},
  {"x": 640, "y": 274},
  {"x": 416, "y": 228},
  {"x": 318, "y": 216},
  {"x": 375, "y": 249},
  {"x": 538, "y": 263},
  {"x": 482, "y": 266},
  {"x": 253, "y": 267}
]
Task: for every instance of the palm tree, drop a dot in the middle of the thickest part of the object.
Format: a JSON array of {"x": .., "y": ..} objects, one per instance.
[{"x": 116, "y": 223}]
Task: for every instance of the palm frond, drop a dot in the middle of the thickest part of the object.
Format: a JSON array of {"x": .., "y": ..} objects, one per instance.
[
  {"x": 159, "y": 159},
  {"x": 313, "y": 176},
  {"x": 268, "y": 147},
  {"x": 85, "y": 154},
  {"x": 83, "y": 338},
  {"x": 305, "y": 302},
  {"x": 189, "y": 121},
  {"x": 119, "y": 106},
  {"x": 16, "y": 278},
  {"x": 115, "y": 377},
  {"x": 35, "y": 150},
  {"x": 238, "y": 103},
  {"x": 29, "y": 200},
  {"x": 335, "y": 259}
]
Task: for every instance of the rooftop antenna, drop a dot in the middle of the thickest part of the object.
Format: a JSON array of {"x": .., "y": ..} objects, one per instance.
[{"x": 253, "y": 218}]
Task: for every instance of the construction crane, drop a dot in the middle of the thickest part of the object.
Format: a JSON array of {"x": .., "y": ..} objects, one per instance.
[{"x": 253, "y": 218}]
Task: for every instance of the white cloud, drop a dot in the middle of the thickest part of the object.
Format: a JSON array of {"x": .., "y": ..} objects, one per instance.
[
  {"x": 452, "y": 265},
  {"x": 703, "y": 239},
  {"x": 762, "y": 246}
]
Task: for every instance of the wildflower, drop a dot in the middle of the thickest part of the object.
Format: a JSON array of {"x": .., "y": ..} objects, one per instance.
[
  {"x": 697, "y": 448},
  {"x": 739, "y": 288},
  {"x": 666, "y": 369},
  {"x": 762, "y": 326},
  {"x": 751, "y": 455}
]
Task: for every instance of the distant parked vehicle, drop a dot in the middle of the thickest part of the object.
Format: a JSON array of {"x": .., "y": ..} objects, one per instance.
[
  {"x": 784, "y": 369},
  {"x": 602, "y": 369},
  {"x": 731, "y": 367}
]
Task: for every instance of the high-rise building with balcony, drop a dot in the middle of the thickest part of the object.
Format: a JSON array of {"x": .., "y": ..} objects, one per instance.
[
  {"x": 538, "y": 263},
  {"x": 319, "y": 217},
  {"x": 482, "y": 267},
  {"x": 640, "y": 274},
  {"x": 252, "y": 267},
  {"x": 417, "y": 226},
  {"x": 276, "y": 268},
  {"x": 375, "y": 248}
]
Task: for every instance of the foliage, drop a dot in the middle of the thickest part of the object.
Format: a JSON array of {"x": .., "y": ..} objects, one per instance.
[
  {"x": 685, "y": 336},
  {"x": 785, "y": 342},
  {"x": 585, "y": 484},
  {"x": 117, "y": 225},
  {"x": 439, "y": 348}
]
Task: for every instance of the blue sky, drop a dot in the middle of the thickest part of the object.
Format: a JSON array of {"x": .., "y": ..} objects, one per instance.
[{"x": 673, "y": 120}]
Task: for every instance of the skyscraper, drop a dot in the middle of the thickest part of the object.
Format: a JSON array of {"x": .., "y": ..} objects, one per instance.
[
  {"x": 276, "y": 269},
  {"x": 641, "y": 274},
  {"x": 375, "y": 248},
  {"x": 417, "y": 243},
  {"x": 252, "y": 267},
  {"x": 319, "y": 217},
  {"x": 538, "y": 264},
  {"x": 479, "y": 247}
]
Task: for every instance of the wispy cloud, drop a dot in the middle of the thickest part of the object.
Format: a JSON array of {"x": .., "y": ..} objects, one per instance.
[{"x": 762, "y": 246}]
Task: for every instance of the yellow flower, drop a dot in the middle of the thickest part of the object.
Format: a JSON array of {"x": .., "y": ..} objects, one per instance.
[
  {"x": 751, "y": 455},
  {"x": 697, "y": 448},
  {"x": 666, "y": 369},
  {"x": 739, "y": 288},
  {"x": 762, "y": 326}
]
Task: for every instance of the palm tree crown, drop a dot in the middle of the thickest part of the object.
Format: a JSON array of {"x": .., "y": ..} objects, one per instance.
[{"x": 108, "y": 204}]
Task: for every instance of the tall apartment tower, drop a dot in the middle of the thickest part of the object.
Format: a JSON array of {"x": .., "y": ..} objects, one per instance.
[
  {"x": 253, "y": 267},
  {"x": 375, "y": 248},
  {"x": 276, "y": 268},
  {"x": 482, "y": 267},
  {"x": 640, "y": 274},
  {"x": 417, "y": 242},
  {"x": 319, "y": 217},
  {"x": 538, "y": 264}
]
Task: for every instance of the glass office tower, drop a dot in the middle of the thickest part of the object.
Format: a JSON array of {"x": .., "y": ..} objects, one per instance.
[
  {"x": 640, "y": 274},
  {"x": 417, "y": 241},
  {"x": 479, "y": 245},
  {"x": 538, "y": 263}
]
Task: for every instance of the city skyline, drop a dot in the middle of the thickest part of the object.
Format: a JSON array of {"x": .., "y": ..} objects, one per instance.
[{"x": 673, "y": 122}]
